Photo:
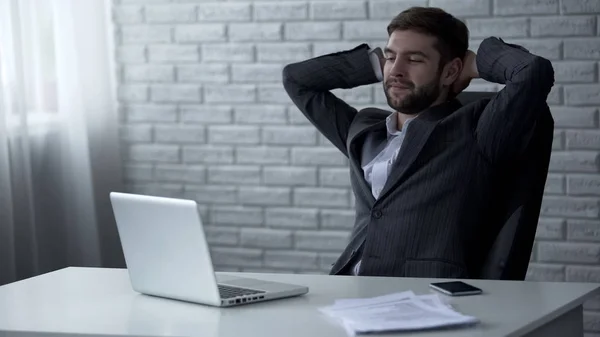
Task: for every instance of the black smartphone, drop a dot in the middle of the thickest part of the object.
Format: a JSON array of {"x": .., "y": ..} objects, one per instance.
[{"x": 455, "y": 288}]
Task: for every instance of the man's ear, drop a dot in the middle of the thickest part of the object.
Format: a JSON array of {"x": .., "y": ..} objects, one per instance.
[{"x": 452, "y": 71}]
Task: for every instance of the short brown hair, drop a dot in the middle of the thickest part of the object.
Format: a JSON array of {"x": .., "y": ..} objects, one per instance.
[{"x": 451, "y": 33}]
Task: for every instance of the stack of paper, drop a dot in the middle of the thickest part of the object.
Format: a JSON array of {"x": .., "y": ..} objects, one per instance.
[{"x": 396, "y": 312}]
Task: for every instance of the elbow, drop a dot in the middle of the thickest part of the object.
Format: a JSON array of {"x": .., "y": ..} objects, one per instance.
[
  {"x": 544, "y": 71},
  {"x": 287, "y": 77}
]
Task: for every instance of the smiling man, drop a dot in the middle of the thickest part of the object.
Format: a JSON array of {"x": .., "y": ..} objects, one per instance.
[{"x": 423, "y": 175}]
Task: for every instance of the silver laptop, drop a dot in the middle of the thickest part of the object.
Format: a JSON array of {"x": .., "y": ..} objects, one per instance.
[{"x": 167, "y": 255}]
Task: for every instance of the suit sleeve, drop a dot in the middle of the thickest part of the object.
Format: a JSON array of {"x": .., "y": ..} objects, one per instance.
[
  {"x": 309, "y": 84},
  {"x": 508, "y": 120}
]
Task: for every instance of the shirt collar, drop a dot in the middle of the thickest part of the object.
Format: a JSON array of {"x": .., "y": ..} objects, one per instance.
[{"x": 391, "y": 124}]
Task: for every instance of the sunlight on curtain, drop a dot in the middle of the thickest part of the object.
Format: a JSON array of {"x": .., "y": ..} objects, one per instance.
[{"x": 59, "y": 155}]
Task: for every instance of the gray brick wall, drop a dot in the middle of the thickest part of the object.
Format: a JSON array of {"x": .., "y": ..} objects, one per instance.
[{"x": 204, "y": 116}]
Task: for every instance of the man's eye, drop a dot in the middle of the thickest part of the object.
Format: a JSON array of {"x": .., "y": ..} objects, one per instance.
[{"x": 416, "y": 61}]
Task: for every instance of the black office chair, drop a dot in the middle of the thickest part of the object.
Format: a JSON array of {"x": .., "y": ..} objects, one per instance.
[{"x": 518, "y": 199}]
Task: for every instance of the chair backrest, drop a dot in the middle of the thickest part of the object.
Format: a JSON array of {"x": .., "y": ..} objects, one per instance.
[{"x": 517, "y": 203}]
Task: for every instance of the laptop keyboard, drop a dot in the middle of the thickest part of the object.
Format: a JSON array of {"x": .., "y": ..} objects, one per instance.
[{"x": 231, "y": 292}]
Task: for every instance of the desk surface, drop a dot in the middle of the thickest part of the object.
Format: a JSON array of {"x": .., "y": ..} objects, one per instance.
[{"x": 101, "y": 302}]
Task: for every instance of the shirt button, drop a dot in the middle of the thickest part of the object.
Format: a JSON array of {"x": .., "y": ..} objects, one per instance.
[{"x": 377, "y": 214}]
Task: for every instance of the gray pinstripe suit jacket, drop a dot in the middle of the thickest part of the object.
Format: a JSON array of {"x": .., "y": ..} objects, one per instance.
[{"x": 435, "y": 215}]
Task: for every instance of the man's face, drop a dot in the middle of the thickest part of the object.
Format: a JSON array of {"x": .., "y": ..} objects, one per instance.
[{"x": 411, "y": 76}]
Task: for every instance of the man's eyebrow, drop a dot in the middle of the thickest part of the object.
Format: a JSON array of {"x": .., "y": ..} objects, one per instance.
[{"x": 387, "y": 50}]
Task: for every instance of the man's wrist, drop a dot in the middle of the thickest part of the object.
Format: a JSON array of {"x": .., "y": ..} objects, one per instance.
[{"x": 375, "y": 57}]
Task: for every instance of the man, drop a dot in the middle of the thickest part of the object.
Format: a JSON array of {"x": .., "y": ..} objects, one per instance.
[{"x": 424, "y": 175}]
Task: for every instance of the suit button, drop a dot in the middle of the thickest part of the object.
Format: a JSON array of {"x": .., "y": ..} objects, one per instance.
[{"x": 377, "y": 214}]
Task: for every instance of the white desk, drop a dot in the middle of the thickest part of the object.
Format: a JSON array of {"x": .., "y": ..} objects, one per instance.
[{"x": 100, "y": 302}]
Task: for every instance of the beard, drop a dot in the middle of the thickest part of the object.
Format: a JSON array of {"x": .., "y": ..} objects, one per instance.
[{"x": 419, "y": 98}]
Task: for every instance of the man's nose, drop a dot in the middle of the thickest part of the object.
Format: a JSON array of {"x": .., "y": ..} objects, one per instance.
[{"x": 398, "y": 69}]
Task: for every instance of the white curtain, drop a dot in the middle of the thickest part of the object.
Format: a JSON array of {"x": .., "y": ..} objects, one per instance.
[{"x": 59, "y": 155}]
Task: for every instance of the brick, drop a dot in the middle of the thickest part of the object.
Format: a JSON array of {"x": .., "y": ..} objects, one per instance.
[
  {"x": 264, "y": 195},
  {"x": 356, "y": 95},
  {"x": 573, "y": 161},
  {"x": 580, "y": 6},
  {"x": 563, "y": 26},
  {"x": 180, "y": 173},
  {"x": 131, "y": 54},
  {"x": 583, "y": 274},
  {"x": 548, "y": 48},
  {"x": 273, "y": 93},
  {"x": 222, "y": 236},
  {"x": 133, "y": 93},
  {"x": 338, "y": 10},
  {"x": 228, "y": 52},
  {"x": 136, "y": 133},
  {"x": 203, "y": 73},
  {"x": 176, "y": 93},
  {"x": 321, "y": 241},
  {"x": 159, "y": 190},
  {"x": 223, "y": 11},
  {"x": 262, "y": 155},
  {"x": 583, "y": 139},
  {"x": 335, "y": 177},
  {"x": 206, "y": 114},
  {"x": 126, "y": 14},
  {"x": 570, "y": 207},
  {"x": 505, "y": 27},
  {"x": 179, "y": 134},
  {"x": 255, "y": 31},
  {"x": 324, "y": 48},
  {"x": 145, "y": 34},
  {"x": 154, "y": 153},
  {"x": 173, "y": 53},
  {"x": 327, "y": 260},
  {"x": 233, "y": 134},
  {"x": 208, "y": 154},
  {"x": 289, "y": 135},
  {"x": 465, "y": 8},
  {"x": 574, "y": 117},
  {"x": 240, "y": 93},
  {"x": 170, "y": 13},
  {"x": 584, "y": 185},
  {"x": 573, "y": 71},
  {"x": 141, "y": 1},
  {"x": 279, "y": 217},
  {"x": 555, "y": 95},
  {"x": 312, "y": 31},
  {"x": 138, "y": 172},
  {"x": 558, "y": 142},
  {"x": 538, "y": 272},
  {"x": 555, "y": 184},
  {"x": 283, "y": 52},
  {"x": 365, "y": 30},
  {"x": 151, "y": 113},
  {"x": 236, "y": 256},
  {"x": 337, "y": 219},
  {"x": 387, "y": 9},
  {"x": 568, "y": 252},
  {"x": 290, "y": 176},
  {"x": 582, "y": 48},
  {"x": 260, "y": 114},
  {"x": 256, "y": 72},
  {"x": 318, "y": 156},
  {"x": 525, "y": 7},
  {"x": 296, "y": 117},
  {"x": 237, "y": 215},
  {"x": 280, "y": 11},
  {"x": 207, "y": 32},
  {"x": 148, "y": 73},
  {"x": 212, "y": 194},
  {"x": 242, "y": 175},
  {"x": 266, "y": 238},
  {"x": 591, "y": 322},
  {"x": 321, "y": 197},
  {"x": 583, "y": 230},
  {"x": 585, "y": 94},
  {"x": 550, "y": 229},
  {"x": 291, "y": 259}
]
